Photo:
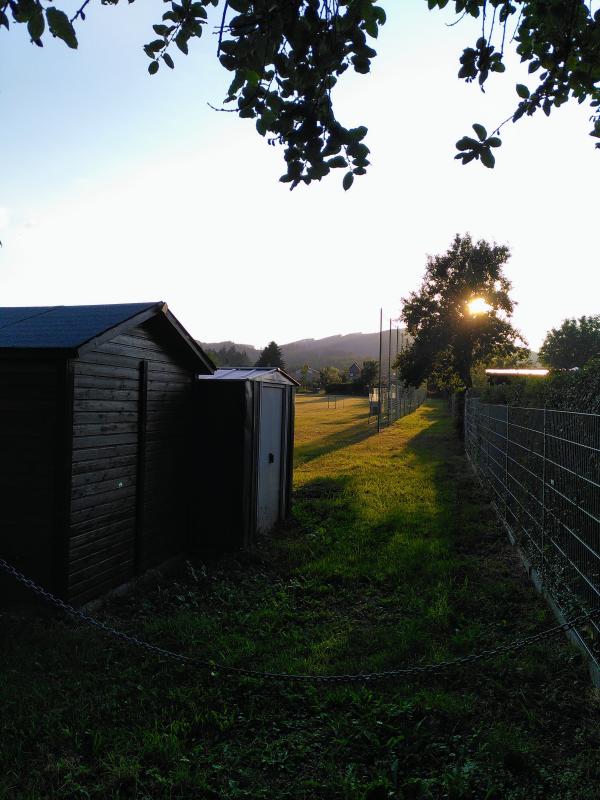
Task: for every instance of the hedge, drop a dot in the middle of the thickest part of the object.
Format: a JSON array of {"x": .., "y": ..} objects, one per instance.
[
  {"x": 355, "y": 388},
  {"x": 565, "y": 390}
]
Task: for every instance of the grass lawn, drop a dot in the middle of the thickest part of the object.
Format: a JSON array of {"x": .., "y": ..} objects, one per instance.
[{"x": 392, "y": 558}]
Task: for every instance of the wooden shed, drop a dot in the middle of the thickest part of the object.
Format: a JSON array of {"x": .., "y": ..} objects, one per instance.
[
  {"x": 245, "y": 429},
  {"x": 95, "y": 420}
]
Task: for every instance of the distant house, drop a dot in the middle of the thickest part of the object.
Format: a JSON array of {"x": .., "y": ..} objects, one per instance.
[
  {"x": 354, "y": 371},
  {"x": 309, "y": 376}
]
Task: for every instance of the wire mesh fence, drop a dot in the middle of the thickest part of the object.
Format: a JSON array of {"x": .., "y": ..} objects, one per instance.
[
  {"x": 394, "y": 401},
  {"x": 542, "y": 467}
]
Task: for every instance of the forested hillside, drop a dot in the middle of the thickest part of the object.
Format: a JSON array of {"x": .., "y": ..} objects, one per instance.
[{"x": 332, "y": 351}]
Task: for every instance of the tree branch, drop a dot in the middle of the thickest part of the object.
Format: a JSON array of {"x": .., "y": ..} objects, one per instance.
[{"x": 80, "y": 12}]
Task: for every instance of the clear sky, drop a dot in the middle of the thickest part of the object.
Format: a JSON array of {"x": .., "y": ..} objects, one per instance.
[{"x": 116, "y": 186}]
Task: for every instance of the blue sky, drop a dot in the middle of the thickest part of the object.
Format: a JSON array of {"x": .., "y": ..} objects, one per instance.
[{"x": 117, "y": 186}]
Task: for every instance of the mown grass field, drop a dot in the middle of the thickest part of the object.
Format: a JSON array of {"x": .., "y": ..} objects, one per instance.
[{"x": 392, "y": 558}]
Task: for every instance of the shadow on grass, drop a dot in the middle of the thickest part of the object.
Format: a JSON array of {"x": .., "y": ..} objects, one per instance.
[{"x": 352, "y": 434}]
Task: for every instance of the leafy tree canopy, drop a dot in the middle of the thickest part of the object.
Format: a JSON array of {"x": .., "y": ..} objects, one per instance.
[
  {"x": 572, "y": 344},
  {"x": 271, "y": 356},
  {"x": 229, "y": 357},
  {"x": 369, "y": 372},
  {"x": 330, "y": 375},
  {"x": 559, "y": 40},
  {"x": 286, "y": 56},
  {"x": 449, "y": 335}
]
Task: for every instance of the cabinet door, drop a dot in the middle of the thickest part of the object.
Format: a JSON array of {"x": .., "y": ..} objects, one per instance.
[{"x": 270, "y": 458}]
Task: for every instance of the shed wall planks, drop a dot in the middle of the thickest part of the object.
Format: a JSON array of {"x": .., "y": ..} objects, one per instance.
[{"x": 130, "y": 470}]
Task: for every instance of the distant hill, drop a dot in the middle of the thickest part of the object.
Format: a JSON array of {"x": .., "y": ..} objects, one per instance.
[
  {"x": 332, "y": 351},
  {"x": 230, "y": 354}
]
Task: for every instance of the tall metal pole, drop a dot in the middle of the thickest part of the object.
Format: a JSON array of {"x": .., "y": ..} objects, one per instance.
[
  {"x": 379, "y": 397},
  {"x": 397, "y": 381},
  {"x": 389, "y": 404}
]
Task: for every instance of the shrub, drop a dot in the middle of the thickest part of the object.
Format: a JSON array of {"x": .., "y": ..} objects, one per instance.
[
  {"x": 572, "y": 391},
  {"x": 354, "y": 388}
]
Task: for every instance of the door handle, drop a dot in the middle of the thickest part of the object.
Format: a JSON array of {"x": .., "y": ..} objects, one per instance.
[{"x": 271, "y": 458}]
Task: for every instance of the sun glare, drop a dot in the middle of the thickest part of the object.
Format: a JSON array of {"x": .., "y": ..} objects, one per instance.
[{"x": 478, "y": 306}]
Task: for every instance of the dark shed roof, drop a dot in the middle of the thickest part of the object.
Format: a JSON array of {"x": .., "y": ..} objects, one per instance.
[{"x": 68, "y": 329}]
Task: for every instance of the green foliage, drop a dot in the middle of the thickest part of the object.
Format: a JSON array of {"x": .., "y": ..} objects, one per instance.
[
  {"x": 560, "y": 42},
  {"x": 229, "y": 357},
  {"x": 369, "y": 372},
  {"x": 352, "y": 388},
  {"x": 286, "y": 56},
  {"x": 271, "y": 356},
  {"x": 304, "y": 375},
  {"x": 359, "y": 386},
  {"x": 573, "y": 344},
  {"x": 570, "y": 391},
  {"x": 448, "y": 340},
  {"x": 330, "y": 375},
  {"x": 442, "y": 379}
]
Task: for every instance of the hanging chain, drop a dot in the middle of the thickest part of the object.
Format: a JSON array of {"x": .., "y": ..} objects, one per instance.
[{"x": 282, "y": 677}]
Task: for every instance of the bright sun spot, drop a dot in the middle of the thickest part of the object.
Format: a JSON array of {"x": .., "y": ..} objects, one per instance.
[{"x": 478, "y": 306}]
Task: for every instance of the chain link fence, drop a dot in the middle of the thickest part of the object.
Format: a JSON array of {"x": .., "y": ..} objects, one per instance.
[
  {"x": 394, "y": 402},
  {"x": 542, "y": 467}
]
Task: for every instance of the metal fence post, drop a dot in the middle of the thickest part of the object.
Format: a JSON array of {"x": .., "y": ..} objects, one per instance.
[
  {"x": 506, "y": 463},
  {"x": 543, "y": 542},
  {"x": 487, "y": 449}
]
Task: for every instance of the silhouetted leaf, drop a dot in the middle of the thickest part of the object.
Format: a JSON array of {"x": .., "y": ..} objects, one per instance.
[
  {"x": 480, "y": 131},
  {"x": 36, "y": 26},
  {"x": 59, "y": 26},
  {"x": 487, "y": 158}
]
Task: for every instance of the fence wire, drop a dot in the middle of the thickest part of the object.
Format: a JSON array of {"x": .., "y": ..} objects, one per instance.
[
  {"x": 542, "y": 467},
  {"x": 394, "y": 402}
]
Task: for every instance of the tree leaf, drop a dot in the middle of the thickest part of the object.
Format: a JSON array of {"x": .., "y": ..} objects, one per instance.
[
  {"x": 168, "y": 60},
  {"x": 153, "y": 67},
  {"x": 60, "y": 26},
  {"x": 181, "y": 42},
  {"x": 36, "y": 26},
  {"x": 522, "y": 91},
  {"x": 487, "y": 158},
  {"x": 358, "y": 133},
  {"x": 348, "y": 181},
  {"x": 480, "y": 131}
]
